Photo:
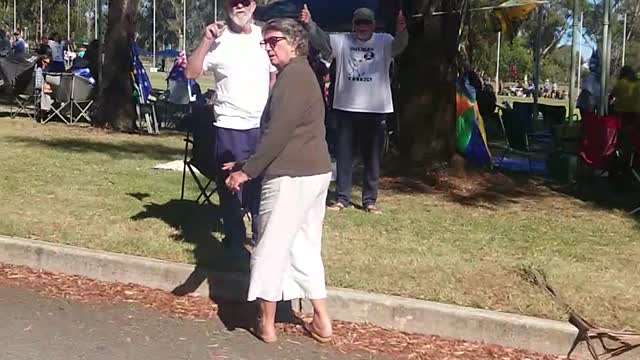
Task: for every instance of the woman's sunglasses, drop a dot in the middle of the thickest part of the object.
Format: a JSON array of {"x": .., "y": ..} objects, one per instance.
[{"x": 271, "y": 41}]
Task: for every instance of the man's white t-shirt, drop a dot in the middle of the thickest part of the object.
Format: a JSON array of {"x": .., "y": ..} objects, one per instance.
[
  {"x": 362, "y": 73},
  {"x": 241, "y": 70},
  {"x": 57, "y": 51}
]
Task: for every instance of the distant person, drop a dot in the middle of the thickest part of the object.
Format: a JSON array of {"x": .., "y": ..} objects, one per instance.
[
  {"x": 589, "y": 98},
  {"x": 626, "y": 96},
  {"x": 57, "y": 54},
  {"x": 82, "y": 50},
  {"x": 19, "y": 46},
  {"x": 163, "y": 64},
  {"x": 43, "y": 47},
  {"x": 92, "y": 56},
  {"x": 5, "y": 44},
  {"x": 80, "y": 67}
]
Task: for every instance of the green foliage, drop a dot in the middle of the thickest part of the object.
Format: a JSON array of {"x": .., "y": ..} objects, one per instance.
[
  {"x": 518, "y": 54},
  {"x": 481, "y": 41},
  {"x": 54, "y": 18}
]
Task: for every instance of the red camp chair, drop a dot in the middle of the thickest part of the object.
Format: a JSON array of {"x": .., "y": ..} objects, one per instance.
[{"x": 599, "y": 141}]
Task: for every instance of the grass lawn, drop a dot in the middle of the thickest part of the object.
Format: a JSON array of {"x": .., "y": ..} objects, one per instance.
[
  {"x": 555, "y": 102},
  {"x": 159, "y": 80},
  {"x": 465, "y": 246}
]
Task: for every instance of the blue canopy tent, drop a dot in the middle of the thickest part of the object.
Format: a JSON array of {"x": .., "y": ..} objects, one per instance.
[
  {"x": 331, "y": 15},
  {"x": 169, "y": 53}
]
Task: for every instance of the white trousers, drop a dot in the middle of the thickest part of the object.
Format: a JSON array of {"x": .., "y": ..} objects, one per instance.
[{"x": 287, "y": 261}]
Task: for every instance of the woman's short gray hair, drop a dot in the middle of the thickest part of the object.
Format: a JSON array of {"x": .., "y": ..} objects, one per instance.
[{"x": 296, "y": 35}]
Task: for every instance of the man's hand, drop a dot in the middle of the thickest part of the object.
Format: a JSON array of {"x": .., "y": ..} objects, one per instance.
[
  {"x": 213, "y": 31},
  {"x": 228, "y": 166},
  {"x": 401, "y": 22},
  {"x": 305, "y": 15}
]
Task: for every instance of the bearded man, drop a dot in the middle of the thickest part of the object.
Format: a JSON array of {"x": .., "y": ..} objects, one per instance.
[{"x": 243, "y": 74}]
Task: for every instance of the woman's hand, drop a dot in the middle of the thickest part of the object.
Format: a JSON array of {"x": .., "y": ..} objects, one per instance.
[{"x": 236, "y": 179}]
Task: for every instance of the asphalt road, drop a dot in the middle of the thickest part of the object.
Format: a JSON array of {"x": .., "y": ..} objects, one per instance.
[{"x": 36, "y": 327}]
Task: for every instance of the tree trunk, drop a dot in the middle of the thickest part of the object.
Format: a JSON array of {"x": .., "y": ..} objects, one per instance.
[
  {"x": 427, "y": 74},
  {"x": 117, "y": 108}
]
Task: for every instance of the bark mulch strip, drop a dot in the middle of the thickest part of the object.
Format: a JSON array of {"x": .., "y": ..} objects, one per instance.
[{"x": 349, "y": 337}]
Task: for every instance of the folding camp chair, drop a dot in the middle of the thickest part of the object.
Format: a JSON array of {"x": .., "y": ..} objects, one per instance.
[
  {"x": 145, "y": 103},
  {"x": 178, "y": 98},
  {"x": 613, "y": 343},
  {"x": 200, "y": 137},
  {"x": 599, "y": 145},
  {"x": 61, "y": 87},
  {"x": 554, "y": 116},
  {"x": 524, "y": 111},
  {"x": 516, "y": 136},
  {"x": 27, "y": 93},
  {"x": 81, "y": 97}
]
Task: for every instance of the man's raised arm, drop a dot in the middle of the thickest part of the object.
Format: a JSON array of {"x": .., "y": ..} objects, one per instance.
[
  {"x": 196, "y": 60},
  {"x": 317, "y": 37}
]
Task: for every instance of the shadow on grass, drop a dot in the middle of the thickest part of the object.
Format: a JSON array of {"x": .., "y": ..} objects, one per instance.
[
  {"x": 121, "y": 150},
  {"x": 487, "y": 190},
  {"x": 228, "y": 281},
  {"x": 490, "y": 190},
  {"x": 193, "y": 223},
  {"x": 603, "y": 194}
]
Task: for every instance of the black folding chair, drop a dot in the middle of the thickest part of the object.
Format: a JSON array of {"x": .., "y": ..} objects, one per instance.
[
  {"x": 200, "y": 139},
  {"x": 26, "y": 93},
  {"x": 516, "y": 136}
]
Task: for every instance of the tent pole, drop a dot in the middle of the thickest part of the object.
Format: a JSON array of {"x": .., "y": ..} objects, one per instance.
[
  {"x": 605, "y": 56},
  {"x": 579, "y": 85},
  {"x": 538, "y": 54},
  {"x": 154, "y": 33},
  {"x": 624, "y": 39},
  {"x": 498, "y": 63},
  {"x": 574, "y": 48}
]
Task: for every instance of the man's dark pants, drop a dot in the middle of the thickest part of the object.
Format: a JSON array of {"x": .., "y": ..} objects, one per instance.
[
  {"x": 237, "y": 145},
  {"x": 369, "y": 129}
]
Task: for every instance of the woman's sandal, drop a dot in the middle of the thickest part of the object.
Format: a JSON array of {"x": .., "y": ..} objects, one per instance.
[{"x": 317, "y": 337}]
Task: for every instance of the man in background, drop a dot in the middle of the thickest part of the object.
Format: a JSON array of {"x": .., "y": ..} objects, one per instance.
[
  {"x": 362, "y": 96},
  {"x": 19, "y": 46}
]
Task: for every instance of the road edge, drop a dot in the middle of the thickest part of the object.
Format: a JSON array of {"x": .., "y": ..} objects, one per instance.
[{"x": 393, "y": 312}]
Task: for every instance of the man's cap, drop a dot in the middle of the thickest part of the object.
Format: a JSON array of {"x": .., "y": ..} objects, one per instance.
[{"x": 364, "y": 14}]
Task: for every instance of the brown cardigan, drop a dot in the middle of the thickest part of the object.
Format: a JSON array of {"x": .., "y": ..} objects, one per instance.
[{"x": 293, "y": 131}]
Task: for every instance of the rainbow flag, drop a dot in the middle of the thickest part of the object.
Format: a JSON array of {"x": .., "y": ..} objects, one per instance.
[{"x": 471, "y": 138}]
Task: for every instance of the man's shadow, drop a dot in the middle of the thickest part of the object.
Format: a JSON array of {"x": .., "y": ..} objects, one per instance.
[{"x": 227, "y": 277}]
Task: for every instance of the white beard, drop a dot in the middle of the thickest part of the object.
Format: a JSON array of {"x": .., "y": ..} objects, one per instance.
[{"x": 240, "y": 21}]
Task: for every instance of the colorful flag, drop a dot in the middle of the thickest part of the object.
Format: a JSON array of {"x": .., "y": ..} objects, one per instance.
[{"x": 471, "y": 138}]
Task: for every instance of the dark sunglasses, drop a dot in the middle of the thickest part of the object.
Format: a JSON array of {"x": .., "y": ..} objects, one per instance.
[
  {"x": 271, "y": 41},
  {"x": 234, "y": 3},
  {"x": 362, "y": 22}
]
